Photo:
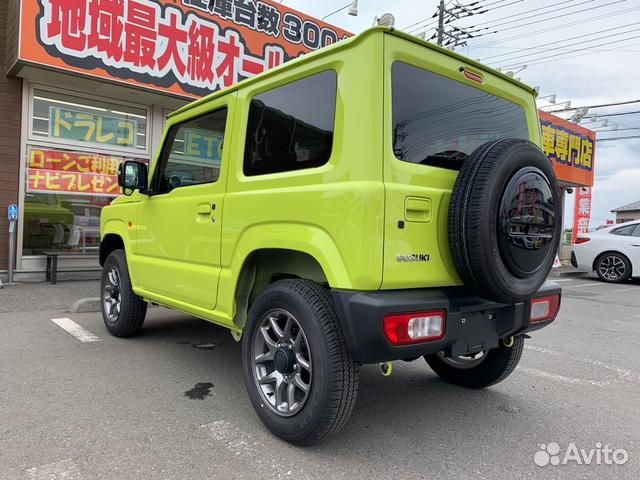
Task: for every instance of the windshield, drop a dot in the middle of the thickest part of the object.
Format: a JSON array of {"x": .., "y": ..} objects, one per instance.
[{"x": 439, "y": 122}]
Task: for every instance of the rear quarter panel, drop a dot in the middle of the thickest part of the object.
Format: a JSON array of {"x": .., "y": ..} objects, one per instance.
[
  {"x": 333, "y": 212},
  {"x": 403, "y": 179}
]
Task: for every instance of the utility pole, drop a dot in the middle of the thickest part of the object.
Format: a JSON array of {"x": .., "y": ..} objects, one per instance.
[
  {"x": 440, "y": 22},
  {"x": 449, "y": 36}
]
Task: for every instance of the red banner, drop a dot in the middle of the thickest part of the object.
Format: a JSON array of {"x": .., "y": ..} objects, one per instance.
[
  {"x": 582, "y": 211},
  {"x": 185, "y": 47},
  {"x": 56, "y": 171}
]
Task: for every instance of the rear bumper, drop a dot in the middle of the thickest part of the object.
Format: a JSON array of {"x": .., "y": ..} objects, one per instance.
[{"x": 472, "y": 323}]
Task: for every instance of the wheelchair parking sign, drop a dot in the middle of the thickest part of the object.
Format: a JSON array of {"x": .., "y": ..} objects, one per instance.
[{"x": 12, "y": 212}]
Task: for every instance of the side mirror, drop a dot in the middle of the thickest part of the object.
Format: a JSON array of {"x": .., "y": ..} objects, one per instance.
[{"x": 132, "y": 176}]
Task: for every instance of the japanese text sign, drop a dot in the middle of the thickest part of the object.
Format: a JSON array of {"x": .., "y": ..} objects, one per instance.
[
  {"x": 571, "y": 149},
  {"x": 89, "y": 127},
  {"x": 56, "y": 171},
  {"x": 582, "y": 211},
  {"x": 202, "y": 146},
  {"x": 185, "y": 47}
]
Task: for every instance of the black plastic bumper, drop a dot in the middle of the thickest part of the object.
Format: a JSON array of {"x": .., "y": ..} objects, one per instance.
[{"x": 472, "y": 324}]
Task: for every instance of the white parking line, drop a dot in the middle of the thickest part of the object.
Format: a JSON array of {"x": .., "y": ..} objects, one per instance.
[
  {"x": 622, "y": 373},
  {"x": 624, "y": 290},
  {"x": 562, "y": 280},
  {"x": 586, "y": 285},
  {"x": 76, "y": 330},
  {"x": 563, "y": 378}
]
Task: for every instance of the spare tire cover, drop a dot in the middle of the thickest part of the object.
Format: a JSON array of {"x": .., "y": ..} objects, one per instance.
[{"x": 505, "y": 220}]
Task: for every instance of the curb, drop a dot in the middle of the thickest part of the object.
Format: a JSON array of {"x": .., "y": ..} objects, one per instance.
[
  {"x": 86, "y": 305},
  {"x": 571, "y": 273}
]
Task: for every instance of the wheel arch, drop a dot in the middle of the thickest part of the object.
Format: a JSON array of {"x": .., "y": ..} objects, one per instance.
[
  {"x": 264, "y": 266},
  {"x": 109, "y": 243}
]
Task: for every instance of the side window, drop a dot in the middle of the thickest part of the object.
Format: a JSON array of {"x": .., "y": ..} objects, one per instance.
[
  {"x": 291, "y": 127},
  {"x": 624, "y": 231},
  {"x": 192, "y": 153},
  {"x": 636, "y": 232}
]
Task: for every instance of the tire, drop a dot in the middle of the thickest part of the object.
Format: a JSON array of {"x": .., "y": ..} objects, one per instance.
[
  {"x": 505, "y": 220},
  {"x": 613, "y": 267},
  {"x": 330, "y": 375},
  {"x": 495, "y": 365},
  {"x": 126, "y": 319}
]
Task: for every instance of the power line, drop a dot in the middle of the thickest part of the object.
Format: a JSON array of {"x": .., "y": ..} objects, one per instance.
[
  {"x": 617, "y": 138},
  {"x": 561, "y": 41},
  {"x": 589, "y": 51},
  {"x": 534, "y": 61},
  {"x": 534, "y": 10},
  {"x": 559, "y": 16},
  {"x": 523, "y": 57},
  {"x": 602, "y": 105},
  {"x": 545, "y": 30},
  {"x": 622, "y": 113}
]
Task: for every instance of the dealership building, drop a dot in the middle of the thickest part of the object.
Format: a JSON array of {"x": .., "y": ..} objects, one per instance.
[{"x": 86, "y": 84}]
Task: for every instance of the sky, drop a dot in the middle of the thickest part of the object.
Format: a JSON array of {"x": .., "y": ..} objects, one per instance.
[{"x": 605, "y": 70}]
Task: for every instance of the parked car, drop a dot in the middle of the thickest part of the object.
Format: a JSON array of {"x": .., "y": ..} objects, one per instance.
[
  {"x": 612, "y": 252},
  {"x": 380, "y": 199}
]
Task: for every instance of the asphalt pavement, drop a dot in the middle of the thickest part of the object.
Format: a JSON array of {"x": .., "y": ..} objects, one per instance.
[{"x": 171, "y": 403}]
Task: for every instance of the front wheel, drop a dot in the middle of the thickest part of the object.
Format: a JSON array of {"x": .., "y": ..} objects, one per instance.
[
  {"x": 123, "y": 311},
  {"x": 480, "y": 370},
  {"x": 298, "y": 372}
]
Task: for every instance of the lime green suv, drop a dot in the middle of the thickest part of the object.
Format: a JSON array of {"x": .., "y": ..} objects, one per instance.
[{"x": 377, "y": 200}]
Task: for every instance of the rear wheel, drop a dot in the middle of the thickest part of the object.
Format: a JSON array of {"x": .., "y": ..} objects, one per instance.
[
  {"x": 479, "y": 370},
  {"x": 298, "y": 372},
  {"x": 613, "y": 267}
]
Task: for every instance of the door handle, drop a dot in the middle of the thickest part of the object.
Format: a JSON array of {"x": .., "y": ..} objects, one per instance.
[
  {"x": 204, "y": 209},
  {"x": 635, "y": 245},
  {"x": 417, "y": 210}
]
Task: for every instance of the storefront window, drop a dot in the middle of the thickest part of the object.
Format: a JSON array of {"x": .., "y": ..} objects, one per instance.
[
  {"x": 65, "y": 192},
  {"x": 68, "y": 120},
  {"x": 61, "y": 222}
]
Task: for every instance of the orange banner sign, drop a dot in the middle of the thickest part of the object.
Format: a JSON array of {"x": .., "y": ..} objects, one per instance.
[
  {"x": 186, "y": 47},
  {"x": 55, "y": 171},
  {"x": 571, "y": 149}
]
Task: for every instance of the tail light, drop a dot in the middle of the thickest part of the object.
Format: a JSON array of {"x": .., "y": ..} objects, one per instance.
[
  {"x": 580, "y": 240},
  {"x": 409, "y": 328},
  {"x": 544, "y": 308}
]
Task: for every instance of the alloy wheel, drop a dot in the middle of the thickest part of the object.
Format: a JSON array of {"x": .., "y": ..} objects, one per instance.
[
  {"x": 612, "y": 267},
  {"x": 281, "y": 361},
  {"x": 111, "y": 295},
  {"x": 464, "y": 362}
]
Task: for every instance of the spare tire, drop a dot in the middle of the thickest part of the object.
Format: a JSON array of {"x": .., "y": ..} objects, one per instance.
[{"x": 505, "y": 220}]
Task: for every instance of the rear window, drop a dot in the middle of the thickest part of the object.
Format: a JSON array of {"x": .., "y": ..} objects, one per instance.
[{"x": 439, "y": 122}]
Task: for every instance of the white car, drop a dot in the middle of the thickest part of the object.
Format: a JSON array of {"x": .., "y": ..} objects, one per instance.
[{"x": 612, "y": 252}]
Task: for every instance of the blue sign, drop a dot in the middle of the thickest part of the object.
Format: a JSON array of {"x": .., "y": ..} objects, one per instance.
[{"x": 12, "y": 212}]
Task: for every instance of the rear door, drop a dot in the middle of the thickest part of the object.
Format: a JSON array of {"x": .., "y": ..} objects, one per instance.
[
  {"x": 180, "y": 223},
  {"x": 435, "y": 117}
]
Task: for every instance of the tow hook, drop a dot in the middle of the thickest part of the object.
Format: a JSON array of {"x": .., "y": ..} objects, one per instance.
[
  {"x": 508, "y": 342},
  {"x": 386, "y": 368}
]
